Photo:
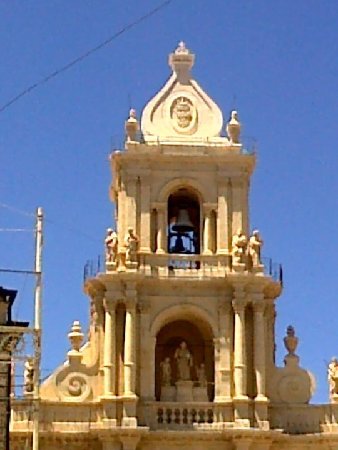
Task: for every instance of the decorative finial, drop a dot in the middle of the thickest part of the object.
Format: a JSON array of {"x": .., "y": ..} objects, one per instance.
[
  {"x": 291, "y": 341},
  {"x": 131, "y": 126},
  {"x": 181, "y": 48},
  {"x": 234, "y": 128},
  {"x": 76, "y": 336},
  {"x": 182, "y": 60}
]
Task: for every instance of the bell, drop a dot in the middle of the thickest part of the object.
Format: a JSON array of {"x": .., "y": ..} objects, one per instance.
[{"x": 183, "y": 223}]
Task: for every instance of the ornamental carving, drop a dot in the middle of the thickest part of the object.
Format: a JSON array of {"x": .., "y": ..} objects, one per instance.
[
  {"x": 183, "y": 114},
  {"x": 75, "y": 387}
]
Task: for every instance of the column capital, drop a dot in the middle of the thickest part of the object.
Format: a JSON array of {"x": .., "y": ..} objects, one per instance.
[
  {"x": 208, "y": 207},
  {"x": 130, "y": 303},
  {"x": 109, "y": 304},
  {"x": 239, "y": 305},
  {"x": 159, "y": 206},
  {"x": 259, "y": 306}
]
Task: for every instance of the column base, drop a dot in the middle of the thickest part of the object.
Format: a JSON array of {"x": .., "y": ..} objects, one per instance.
[
  {"x": 261, "y": 412},
  {"x": 241, "y": 411},
  {"x": 129, "y": 422}
]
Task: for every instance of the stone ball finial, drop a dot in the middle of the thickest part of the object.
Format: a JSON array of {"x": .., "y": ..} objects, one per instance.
[
  {"x": 233, "y": 128},
  {"x": 76, "y": 336},
  {"x": 131, "y": 126}
]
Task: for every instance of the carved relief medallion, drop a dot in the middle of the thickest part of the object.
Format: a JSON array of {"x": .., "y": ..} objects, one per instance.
[{"x": 183, "y": 114}]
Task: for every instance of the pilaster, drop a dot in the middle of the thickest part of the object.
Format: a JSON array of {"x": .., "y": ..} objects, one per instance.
[
  {"x": 109, "y": 352},
  {"x": 222, "y": 216},
  {"x": 223, "y": 376},
  {"x": 146, "y": 350},
  {"x": 261, "y": 401},
  {"x": 237, "y": 187}
]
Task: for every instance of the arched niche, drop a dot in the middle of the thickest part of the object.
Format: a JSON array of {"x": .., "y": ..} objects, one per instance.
[
  {"x": 184, "y": 221},
  {"x": 199, "y": 339}
]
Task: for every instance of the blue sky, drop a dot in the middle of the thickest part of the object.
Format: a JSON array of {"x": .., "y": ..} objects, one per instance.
[{"x": 276, "y": 62}]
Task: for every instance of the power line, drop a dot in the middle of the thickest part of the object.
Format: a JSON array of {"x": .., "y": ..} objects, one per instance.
[{"x": 85, "y": 55}]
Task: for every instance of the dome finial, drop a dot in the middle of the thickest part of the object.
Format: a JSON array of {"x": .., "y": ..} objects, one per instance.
[{"x": 181, "y": 61}]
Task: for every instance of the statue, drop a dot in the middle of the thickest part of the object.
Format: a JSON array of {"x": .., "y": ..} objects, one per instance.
[
  {"x": 28, "y": 376},
  {"x": 332, "y": 376},
  {"x": 239, "y": 244},
  {"x": 254, "y": 248},
  {"x": 111, "y": 244},
  {"x": 166, "y": 372},
  {"x": 234, "y": 128},
  {"x": 201, "y": 375},
  {"x": 131, "y": 126},
  {"x": 131, "y": 243},
  {"x": 184, "y": 362}
]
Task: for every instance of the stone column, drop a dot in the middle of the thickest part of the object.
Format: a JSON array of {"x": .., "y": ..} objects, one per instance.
[
  {"x": 239, "y": 304},
  {"x": 259, "y": 345},
  {"x": 224, "y": 376},
  {"x": 240, "y": 400},
  {"x": 129, "y": 402},
  {"x": 144, "y": 234},
  {"x": 129, "y": 349},
  {"x": 207, "y": 238},
  {"x": 161, "y": 228},
  {"x": 109, "y": 353}
]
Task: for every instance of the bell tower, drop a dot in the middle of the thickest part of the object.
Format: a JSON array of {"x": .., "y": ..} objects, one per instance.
[{"x": 186, "y": 303}]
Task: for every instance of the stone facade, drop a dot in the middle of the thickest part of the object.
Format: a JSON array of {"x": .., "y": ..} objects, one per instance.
[{"x": 180, "y": 352}]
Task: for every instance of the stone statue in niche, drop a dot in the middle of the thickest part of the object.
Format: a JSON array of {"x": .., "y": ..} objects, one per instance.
[
  {"x": 28, "y": 376},
  {"x": 184, "y": 362},
  {"x": 332, "y": 376},
  {"x": 111, "y": 244},
  {"x": 239, "y": 245},
  {"x": 201, "y": 375},
  {"x": 166, "y": 372},
  {"x": 254, "y": 248},
  {"x": 131, "y": 243}
]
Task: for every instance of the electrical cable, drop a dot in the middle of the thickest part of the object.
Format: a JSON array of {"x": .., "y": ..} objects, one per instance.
[{"x": 85, "y": 55}]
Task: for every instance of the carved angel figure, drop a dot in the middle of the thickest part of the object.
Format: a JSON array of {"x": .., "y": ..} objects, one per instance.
[
  {"x": 239, "y": 245},
  {"x": 254, "y": 248},
  {"x": 111, "y": 244},
  {"x": 201, "y": 375},
  {"x": 28, "y": 376},
  {"x": 166, "y": 372},
  {"x": 131, "y": 243},
  {"x": 332, "y": 376}
]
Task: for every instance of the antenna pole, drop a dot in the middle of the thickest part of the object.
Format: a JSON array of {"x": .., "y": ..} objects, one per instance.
[{"x": 37, "y": 326}]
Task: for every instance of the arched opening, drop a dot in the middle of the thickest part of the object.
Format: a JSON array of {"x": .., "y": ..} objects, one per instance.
[
  {"x": 184, "y": 222},
  {"x": 199, "y": 343}
]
